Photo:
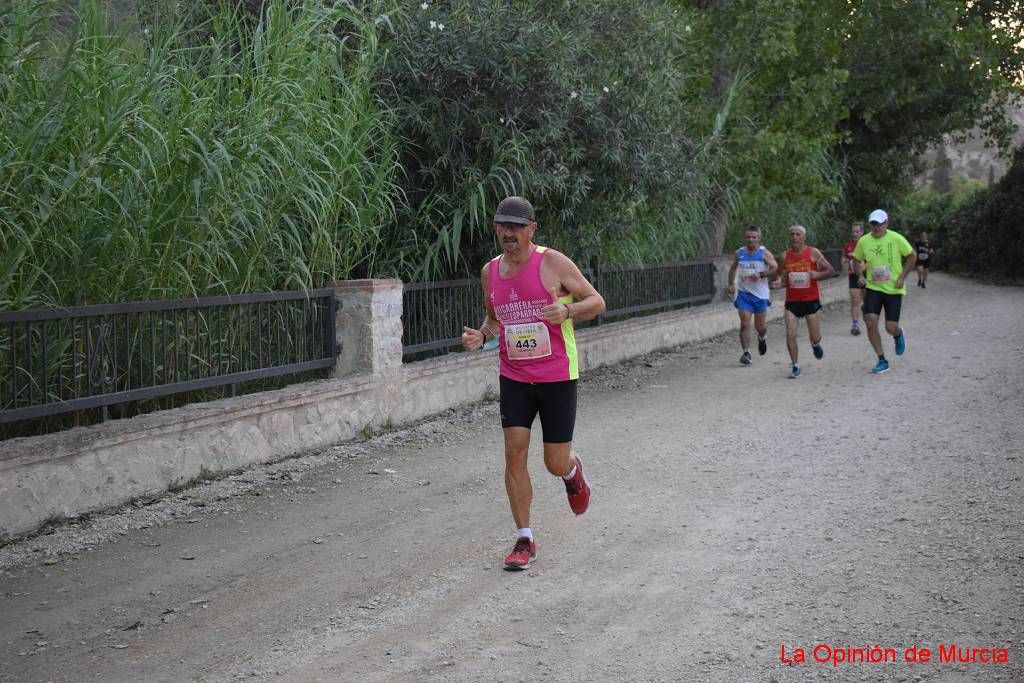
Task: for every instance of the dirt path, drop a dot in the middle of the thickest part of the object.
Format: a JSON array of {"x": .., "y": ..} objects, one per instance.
[{"x": 734, "y": 511}]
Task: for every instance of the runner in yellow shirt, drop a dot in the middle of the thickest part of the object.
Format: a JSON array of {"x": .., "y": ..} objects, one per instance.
[{"x": 883, "y": 259}]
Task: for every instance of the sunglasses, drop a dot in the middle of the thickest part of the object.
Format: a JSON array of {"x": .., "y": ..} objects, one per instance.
[
  {"x": 875, "y": 224},
  {"x": 507, "y": 226}
]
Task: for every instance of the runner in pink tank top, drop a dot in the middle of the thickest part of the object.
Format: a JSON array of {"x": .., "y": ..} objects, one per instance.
[
  {"x": 533, "y": 349},
  {"x": 532, "y": 295}
]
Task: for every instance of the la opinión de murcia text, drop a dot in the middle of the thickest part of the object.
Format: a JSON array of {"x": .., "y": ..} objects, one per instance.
[{"x": 950, "y": 653}]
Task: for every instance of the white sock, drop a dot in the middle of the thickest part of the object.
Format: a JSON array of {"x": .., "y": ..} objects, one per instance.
[
  {"x": 527, "y": 532},
  {"x": 572, "y": 473}
]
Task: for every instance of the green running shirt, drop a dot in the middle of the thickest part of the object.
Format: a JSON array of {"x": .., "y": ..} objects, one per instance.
[{"x": 884, "y": 257}]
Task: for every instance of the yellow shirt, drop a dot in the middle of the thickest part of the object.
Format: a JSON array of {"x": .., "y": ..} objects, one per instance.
[{"x": 884, "y": 260}]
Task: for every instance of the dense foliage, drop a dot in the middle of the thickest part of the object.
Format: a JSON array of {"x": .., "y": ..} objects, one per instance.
[
  {"x": 774, "y": 63},
  {"x": 195, "y": 147},
  {"x": 920, "y": 69},
  {"x": 977, "y": 234},
  {"x": 151, "y": 164},
  {"x": 578, "y": 106}
]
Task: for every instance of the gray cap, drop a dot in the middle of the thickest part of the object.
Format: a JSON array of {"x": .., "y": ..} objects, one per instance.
[{"x": 514, "y": 210}]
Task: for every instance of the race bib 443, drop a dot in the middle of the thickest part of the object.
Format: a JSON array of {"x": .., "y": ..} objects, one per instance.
[{"x": 527, "y": 340}]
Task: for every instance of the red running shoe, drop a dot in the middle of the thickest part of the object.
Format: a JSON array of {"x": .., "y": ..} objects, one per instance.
[
  {"x": 523, "y": 553},
  {"x": 577, "y": 490}
]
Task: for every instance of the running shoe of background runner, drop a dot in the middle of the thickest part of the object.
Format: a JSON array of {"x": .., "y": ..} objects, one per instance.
[
  {"x": 901, "y": 343},
  {"x": 795, "y": 372},
  {"x": 762, "y": 346},
  {"x": 577, "y": 490},
  {"x": 819, "y": 352},
  {"x": 855, "y": 330},
  {"x": 881, "y": 366},
  {"x": 523, "y": 553},
  {"x": 745, "y": 358}
]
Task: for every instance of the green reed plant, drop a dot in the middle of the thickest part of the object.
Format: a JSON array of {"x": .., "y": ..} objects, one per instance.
[{"x": 146, "y": 163}]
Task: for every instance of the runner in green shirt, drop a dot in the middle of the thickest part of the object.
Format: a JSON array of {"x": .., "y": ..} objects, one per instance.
[{"x": 887, "y": 260}]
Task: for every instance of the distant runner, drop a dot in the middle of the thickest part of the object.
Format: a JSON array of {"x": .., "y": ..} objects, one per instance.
[
  {"x": 856, "y": 288},
  {"x": 532, "y": 295},
  {"x": 756, "y": 266},
  {"x": 924, "y": 251}
]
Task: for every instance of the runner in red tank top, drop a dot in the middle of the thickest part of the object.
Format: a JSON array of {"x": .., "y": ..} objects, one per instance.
[
  {"x": 853, "y": 275},
  {"x": 800, "y": 269}
]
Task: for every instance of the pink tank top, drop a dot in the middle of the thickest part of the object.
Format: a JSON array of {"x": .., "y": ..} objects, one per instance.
[{"x": 530, "y": 348}]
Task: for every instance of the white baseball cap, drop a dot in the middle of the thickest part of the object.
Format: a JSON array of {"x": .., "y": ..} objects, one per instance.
[{"x": 878, "y": 216}]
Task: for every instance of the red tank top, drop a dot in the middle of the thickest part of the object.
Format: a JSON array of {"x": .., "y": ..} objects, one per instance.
[
  {"x": 848, "y": 253},
  {"x": 799, "y": 285}
]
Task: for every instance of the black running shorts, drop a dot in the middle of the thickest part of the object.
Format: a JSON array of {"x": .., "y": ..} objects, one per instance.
[
  {"x": 854, "y": 279},
  {"x": 555, "y": 401},
  {"x": 875, "y": 301},
  {"x": 802, "y": 309}
]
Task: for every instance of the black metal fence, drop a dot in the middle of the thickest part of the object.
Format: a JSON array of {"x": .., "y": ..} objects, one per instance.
[
  {"x": 835, "y": 257},
  {"x": 631, "y": 290},
  {"x": 56, "y": 361},
  {"x": 434, "y": 312}
]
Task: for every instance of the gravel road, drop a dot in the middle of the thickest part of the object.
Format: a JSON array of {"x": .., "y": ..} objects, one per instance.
[{"x": 735, "y": 513}]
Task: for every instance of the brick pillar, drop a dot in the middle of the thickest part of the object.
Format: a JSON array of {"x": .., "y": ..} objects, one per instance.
[{"x": 368, "y": 326}]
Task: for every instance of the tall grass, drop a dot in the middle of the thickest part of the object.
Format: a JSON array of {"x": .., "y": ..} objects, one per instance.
[{"x": 172, "y": 161}]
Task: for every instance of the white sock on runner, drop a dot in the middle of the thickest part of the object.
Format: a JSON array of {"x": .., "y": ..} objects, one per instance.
[
  {"x": 572, "y": 473},
  {"x": 528, "y": 532}
]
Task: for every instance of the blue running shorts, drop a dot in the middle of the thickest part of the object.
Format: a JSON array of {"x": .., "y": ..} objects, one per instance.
[{"x": 745, "y": 301}]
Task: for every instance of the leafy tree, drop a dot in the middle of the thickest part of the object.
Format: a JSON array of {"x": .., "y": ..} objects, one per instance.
[
  {"x": 575, "y": 105},
  {"x": 836, "y": 101},
  {"x": 941, "y": 181},
  {"x": 998, "y": 212},
  {"x": 767, "y": 109},
  {"x": 920, "y": 69}
]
